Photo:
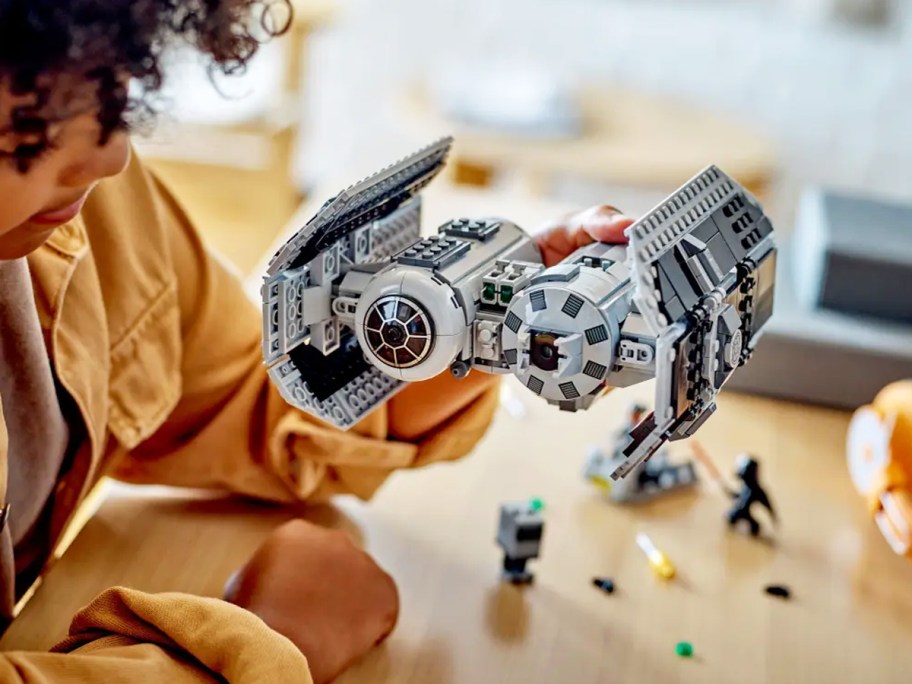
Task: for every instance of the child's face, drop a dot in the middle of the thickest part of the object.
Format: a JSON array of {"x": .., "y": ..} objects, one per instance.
[{"x": 52, "y": 191}]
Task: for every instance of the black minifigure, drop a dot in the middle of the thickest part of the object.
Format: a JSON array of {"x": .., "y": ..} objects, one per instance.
[{"x": 751, "y": 492}]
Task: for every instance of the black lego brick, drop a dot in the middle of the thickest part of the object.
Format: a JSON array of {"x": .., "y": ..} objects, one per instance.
[{"x": 326, "y": 375}]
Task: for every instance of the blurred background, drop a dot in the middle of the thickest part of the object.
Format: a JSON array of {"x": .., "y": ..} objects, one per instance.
[{"x": 582, "y": 100}]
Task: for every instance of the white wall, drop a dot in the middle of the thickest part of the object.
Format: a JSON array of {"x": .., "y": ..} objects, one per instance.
[{"x": 838, "y": 99}]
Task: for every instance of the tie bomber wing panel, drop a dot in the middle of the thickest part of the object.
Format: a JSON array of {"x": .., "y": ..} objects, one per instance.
[
  {"x": 703, "y": 265},
  {"x": 358, "y": 304},
  {"x": 312, "y": 357}
]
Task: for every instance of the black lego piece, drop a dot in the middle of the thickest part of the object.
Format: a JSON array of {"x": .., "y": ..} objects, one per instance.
[
  {"x": 751, "y": 492},
  {"x": 779, "y": 591},
  {"x": 638, "y": 433},
  {"x": 606, "y": 584},
  {"x": 326, "y": 375},
  {"x": 515, "y": 572}
]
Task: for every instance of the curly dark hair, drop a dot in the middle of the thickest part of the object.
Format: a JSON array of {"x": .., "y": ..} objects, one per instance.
[{"x": 104, "y": 43}]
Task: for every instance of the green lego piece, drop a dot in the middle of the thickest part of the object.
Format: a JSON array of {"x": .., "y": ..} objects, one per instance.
[
  {"x": 489, "y": 292},
  {"x": 537, "y": 504},
  {"x": 506, "y": 294},
  {"x": 684, "y": 649}
]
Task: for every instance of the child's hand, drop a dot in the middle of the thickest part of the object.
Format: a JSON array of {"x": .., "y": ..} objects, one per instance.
[
  {"x": 314, "y": 586},
  {"x": 563, "y": 237}
]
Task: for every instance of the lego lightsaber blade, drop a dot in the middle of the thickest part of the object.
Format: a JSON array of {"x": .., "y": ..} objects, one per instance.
[
  {"x": 658, "y": 561},
  {"x": 706, "y": 461}
]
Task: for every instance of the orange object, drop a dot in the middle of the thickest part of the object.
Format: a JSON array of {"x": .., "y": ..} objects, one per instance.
[{"x": 879, "y": 451}]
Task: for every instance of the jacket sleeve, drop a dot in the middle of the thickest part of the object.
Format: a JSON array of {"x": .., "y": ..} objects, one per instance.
[
  {"x": 128, "y": 636},
  {"x": 232, "y": 429}
]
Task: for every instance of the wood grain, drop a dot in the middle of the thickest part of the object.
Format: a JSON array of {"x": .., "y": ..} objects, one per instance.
[{"x": 434, "y": 530}]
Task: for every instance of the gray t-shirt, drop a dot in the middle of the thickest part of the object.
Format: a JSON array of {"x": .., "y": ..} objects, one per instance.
[{"x": 38, "y": 433}]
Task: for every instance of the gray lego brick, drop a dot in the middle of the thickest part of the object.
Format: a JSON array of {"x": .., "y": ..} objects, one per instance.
[
  {"x": 471, "y": 229},
  {"x": 857, "y": 255},
  {"x": 823, "y": 357},
  {"x": 434, "y": 252},
  {"x": 721, "y": 253},
  {"x": 372, "y": 199}
]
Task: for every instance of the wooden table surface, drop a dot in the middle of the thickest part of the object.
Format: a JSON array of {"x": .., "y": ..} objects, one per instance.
[{"x": 850, "y": 619}]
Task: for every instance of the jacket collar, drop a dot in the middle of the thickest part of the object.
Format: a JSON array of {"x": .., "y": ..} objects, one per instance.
[
  {"x": 70, "y": 302},
  {"x": 51, "y": 268}
]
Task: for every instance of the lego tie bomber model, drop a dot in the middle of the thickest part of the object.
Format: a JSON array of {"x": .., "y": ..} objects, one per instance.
[{"x": 357, "y": 304}]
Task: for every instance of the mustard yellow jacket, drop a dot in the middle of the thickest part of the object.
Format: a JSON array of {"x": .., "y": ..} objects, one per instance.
[{"x": 156, "y": 342}]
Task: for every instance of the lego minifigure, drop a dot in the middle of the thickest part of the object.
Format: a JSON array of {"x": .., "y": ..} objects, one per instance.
[
  {"x": 519, "y": 534},
  {"x": 751, "y": 492}
]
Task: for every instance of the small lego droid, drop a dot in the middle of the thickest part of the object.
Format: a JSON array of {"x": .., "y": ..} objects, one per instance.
[
  {"x": 879, "y": 451},
  {"x": 519, "y": 534}
]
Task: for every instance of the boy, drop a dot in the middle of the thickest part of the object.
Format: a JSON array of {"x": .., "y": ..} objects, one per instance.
[{"x": 126, "y": 349}]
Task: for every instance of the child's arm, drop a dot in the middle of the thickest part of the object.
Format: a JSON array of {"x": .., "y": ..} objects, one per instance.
[
  {"x": 308, "y": 604},
  {"x": 129, "y": 636},
  {"x": 422, "y": 406},
  {"x": 231, "y": 428},
  {"x": 297, "y": 624}
]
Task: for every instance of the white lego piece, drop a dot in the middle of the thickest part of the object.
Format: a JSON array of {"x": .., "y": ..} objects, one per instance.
[{"x": 326, "y": 335}]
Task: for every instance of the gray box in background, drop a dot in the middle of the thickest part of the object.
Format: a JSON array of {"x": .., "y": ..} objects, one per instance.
[
  {"x": 823, "y": 357},
  {"x": 854, "y": 255}
]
